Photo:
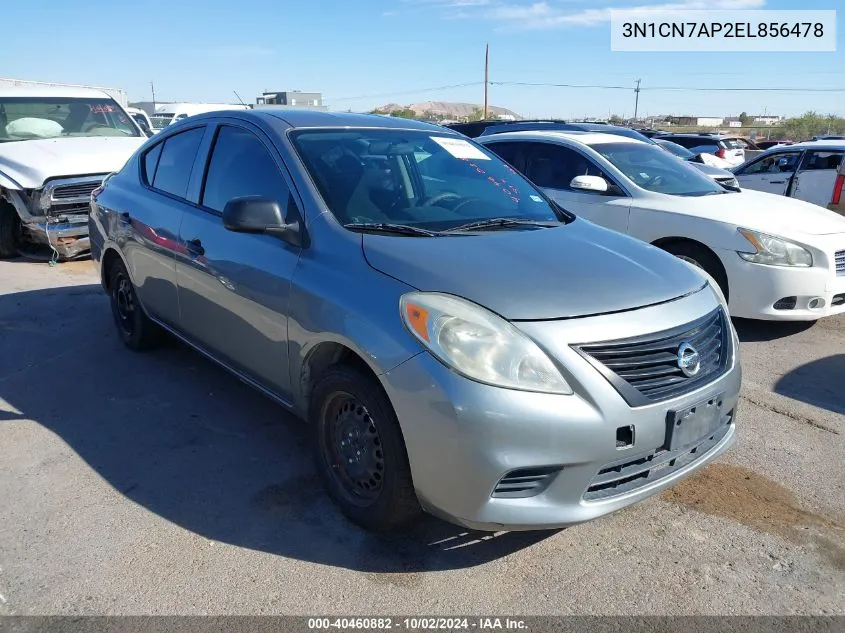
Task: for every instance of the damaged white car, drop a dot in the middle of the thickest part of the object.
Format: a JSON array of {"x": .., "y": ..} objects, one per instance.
[{"x": 56, "y": 146}]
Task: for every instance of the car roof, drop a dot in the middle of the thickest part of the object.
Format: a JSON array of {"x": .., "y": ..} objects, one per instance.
[
  {"x": 713, "y": 136},
  {"x": 66, "y": 92},
  {"x": 582, "y": 137},
  {"x": 823, "y": 144},
  {"x": 318, "y": 118}
]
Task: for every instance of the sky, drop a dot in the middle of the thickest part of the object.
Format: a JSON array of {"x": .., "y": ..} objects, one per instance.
[{"x": 365, "y": 53}]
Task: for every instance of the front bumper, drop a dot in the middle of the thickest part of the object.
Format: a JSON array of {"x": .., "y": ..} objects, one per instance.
[
  {"x": 68, "y": 234},
  {"x": 755, "y": 288},
  {"x": 463, "y": 437}
]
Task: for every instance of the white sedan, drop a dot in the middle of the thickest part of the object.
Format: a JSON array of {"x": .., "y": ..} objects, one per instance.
[{"x": 775, "y": 258}]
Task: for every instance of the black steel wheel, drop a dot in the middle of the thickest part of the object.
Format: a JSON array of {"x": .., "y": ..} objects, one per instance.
[
  {"x": 134, "y": 328},
  {"x": 360, "y": 452}
]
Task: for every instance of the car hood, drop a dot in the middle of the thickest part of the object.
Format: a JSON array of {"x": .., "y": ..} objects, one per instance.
[
  {"x": 710, "y": 170},
  {"x": 765, "y": 212},
  {"x": 714, "y": 161},
  {"x": 30, "y": 163},
  {"x": 577, "y": 269}
]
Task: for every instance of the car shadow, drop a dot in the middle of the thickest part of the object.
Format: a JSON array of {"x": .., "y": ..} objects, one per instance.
[
  {"x": 820, "y": 383},
  {"x": 751, "y": 331},
  {"x": 184, "y": 439}
]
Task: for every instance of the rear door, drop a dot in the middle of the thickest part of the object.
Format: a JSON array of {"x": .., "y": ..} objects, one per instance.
[
  {"x": 553, "y": 167},
  {"x": 816, "y": 176},
  {"x": 154, "y": 219},
  {"x": 770, "y": 173}
]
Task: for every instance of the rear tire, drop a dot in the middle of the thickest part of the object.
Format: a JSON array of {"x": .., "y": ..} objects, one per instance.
[
  {"x": 134, "y": 328},
  {"x": 10, "y": 226},
  {"x": 703, "y": 258},
  {"x": 360, "y": 452}
]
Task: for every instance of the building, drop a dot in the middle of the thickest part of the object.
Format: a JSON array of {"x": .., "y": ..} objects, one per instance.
[
  {"x": 766, "y": 120},
  {"x": 291, "y": 99}
]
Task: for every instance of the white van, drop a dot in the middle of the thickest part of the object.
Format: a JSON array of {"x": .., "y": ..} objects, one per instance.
[{"x": 168, "y": 113}]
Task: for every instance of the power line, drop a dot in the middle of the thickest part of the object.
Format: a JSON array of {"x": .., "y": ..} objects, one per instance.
[{"x": 663, "y": 88}]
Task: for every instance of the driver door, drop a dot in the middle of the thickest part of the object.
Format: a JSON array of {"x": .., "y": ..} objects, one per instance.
[
  {"x": 770, "y": 174},
  {"x": 552, "y": 167}
]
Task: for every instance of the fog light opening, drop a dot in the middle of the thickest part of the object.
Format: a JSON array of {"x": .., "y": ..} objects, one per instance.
[
  {"x": 787, "y": 303},
  {"x": 625, "y": 436},
  {"x": 816, "y": 303}
]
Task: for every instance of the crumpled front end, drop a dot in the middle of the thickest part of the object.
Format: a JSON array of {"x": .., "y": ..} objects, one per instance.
[{"x": 56, "y": 215}]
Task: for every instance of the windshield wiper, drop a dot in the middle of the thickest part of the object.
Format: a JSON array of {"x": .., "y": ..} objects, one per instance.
[
  {"x": 494, "y": 223},
  {"x": 387, "y": 227}
]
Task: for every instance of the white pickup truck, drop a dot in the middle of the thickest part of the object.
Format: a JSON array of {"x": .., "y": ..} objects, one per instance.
[{"x": 56, "y": 146}]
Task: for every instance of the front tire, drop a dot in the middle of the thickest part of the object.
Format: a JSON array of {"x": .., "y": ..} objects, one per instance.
[
  {"x": 360, "y": 452},
  {"x": 134, "y": 328},
  {"x": 702, "y": 258},
  {"x": 10, "y": 226}
]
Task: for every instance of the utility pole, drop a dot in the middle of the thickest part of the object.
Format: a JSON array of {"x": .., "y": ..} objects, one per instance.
[
  {"x": 153, "y": 89},
  {"x": 636, "y": 98},
  {"x": 486, "y": 76}
]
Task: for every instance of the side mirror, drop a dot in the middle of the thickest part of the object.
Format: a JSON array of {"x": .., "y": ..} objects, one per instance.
[
  {"x": 253, "y": 214},
  {"x": 596, "y": 184}
]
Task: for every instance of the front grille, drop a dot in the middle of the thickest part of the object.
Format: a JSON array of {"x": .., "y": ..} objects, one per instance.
[
  {"x": 79, "y": 190},
  {"x": 840, "y": 262},
  {"x": 624, "y": 476},
  {"x": 838, "y": 300},
  {"x": 525, "y": 482},
  {"x": 647, "y": 369}
]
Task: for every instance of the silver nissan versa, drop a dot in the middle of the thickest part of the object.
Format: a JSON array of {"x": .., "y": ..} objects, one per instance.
[{"x": 456, "y": 341}]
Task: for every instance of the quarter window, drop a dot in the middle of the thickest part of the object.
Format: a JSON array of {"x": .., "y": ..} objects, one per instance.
[
  {"x": 176, "y": 161},
  {"x": 151, "y": 162},
  {"x": 240, "y": 166}
]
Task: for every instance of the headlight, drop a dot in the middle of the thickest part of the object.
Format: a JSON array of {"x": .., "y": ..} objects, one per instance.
[
  {"x": 774, "y": 251},
  {"x": 479, "y": 344}
]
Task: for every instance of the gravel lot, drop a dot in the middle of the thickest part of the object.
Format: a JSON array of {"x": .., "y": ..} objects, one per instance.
[{"x": 158, "y": 484}]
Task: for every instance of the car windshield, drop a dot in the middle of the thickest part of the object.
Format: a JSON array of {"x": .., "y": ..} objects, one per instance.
[
  {"x": 651, "y": 168},
  {"x": 161, "y": 119},
  {"x": 26, "y": 118},
  {"x": 678, "y": 150},
  {"x": 426, "y": 180}
]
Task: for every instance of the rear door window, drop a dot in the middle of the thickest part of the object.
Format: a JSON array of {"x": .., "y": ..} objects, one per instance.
[
  {"x": 555, "y": 166},
  {"x": 819, "y": 160},
  {"x": 176, "y": 162},
  {"x": 512, "y": 153}
]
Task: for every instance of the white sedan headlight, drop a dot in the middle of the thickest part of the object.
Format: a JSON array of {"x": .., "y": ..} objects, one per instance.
[
  {"x": 479, "y": 344},
  {"x": 774, "y": 251}
]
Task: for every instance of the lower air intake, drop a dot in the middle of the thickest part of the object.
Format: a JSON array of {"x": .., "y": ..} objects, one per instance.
[{"x": 525, "y": 482}]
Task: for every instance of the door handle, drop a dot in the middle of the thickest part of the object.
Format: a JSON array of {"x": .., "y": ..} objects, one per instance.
[
  {"x": 195, "y": 247},
  {"x": 777, "y": 182}
]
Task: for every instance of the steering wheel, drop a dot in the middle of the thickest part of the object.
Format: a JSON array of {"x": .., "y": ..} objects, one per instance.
[
  {"x": 439, "y": 197},
  {"x": 656, "y": 181}
]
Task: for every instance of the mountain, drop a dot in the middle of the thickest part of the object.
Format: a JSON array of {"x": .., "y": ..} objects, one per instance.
[{"x": 447, "y": 109}]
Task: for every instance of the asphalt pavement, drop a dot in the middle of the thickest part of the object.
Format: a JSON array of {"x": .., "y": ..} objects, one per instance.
[{"x": 158, "y": 484}]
